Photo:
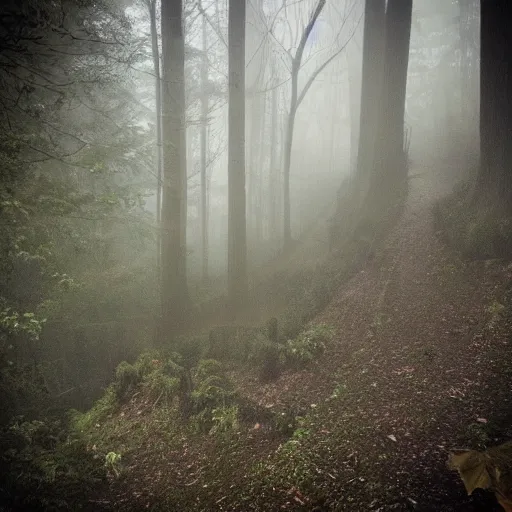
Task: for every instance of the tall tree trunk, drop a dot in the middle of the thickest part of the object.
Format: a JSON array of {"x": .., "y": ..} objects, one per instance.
[
  {"x": 204, "y": 152},
  {"x": 354, "y": 89},
  {"x": 371, "y": 92},
  {"x": 158, "y": 105},
  {"x": 495, "y": 178},
  {"x": 389, "y": 177},
  {"x": 174, "y": 285},
  {"x": 469, "y": 56},
  {"x": 237, "y": 231}
]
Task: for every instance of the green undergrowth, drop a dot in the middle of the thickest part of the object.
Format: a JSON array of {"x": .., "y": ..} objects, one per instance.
[
  {"x": 482, "y": 232},
  {"x": 303, "y": 471},
  {"x": 296, "y": 296},
  {"x": 44, "y": 466},
  {"x": 157, "y": 396},
  {"x": 306, "y": 346},
  {"x": 257, "y": 349},
  {"x": 165, "y": 401},
  {"x": 161, "y": 397}
]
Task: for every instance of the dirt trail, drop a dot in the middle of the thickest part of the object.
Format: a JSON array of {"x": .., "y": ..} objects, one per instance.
[{"x": 418, "y": 366}]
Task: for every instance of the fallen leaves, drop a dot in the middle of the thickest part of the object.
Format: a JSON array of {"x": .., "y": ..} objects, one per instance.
[
  {"x": 491, "y": 470},
  {"x": 404, "y": 371}
]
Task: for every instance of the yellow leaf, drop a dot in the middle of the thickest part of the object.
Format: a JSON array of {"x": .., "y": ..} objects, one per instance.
[{"x": 471, "y": 466}]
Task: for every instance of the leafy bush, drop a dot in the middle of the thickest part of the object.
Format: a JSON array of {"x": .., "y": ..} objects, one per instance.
[
  {"x": 478, "y": 436},
  {"x": 212, "y": 391},
  {"x": 147, "y": 362},
  {"x": 286, "y": 422},
  {"x": 127, "y": 380},
  {"x": 307, "y": 346},
  {"x": 208, "y": 368},
  {"x": 225, "y": 420},
  {"x": 162, "y": 387}
]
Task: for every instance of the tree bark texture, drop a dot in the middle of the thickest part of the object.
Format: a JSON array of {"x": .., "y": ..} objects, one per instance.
[{"x": 237, "y": 230}]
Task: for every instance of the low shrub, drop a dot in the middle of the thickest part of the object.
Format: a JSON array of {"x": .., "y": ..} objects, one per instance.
[
  {"x": 126, "y": 381},
  {"x": 113, "y": 464},
  {"x": 161, "y": 387},
  {"x": 147, "y": 362},
  {"x": 207, "y": 368},
  {"x": 225, "y": 420},
  {"x": 307, "y": 346},
  {"x": 211, "y": 390}
]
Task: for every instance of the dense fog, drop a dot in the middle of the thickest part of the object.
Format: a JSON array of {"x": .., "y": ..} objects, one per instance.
[{"x": 327, "y": 122}]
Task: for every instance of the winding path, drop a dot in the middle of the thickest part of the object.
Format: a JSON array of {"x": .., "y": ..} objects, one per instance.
[{"x": 418, "y": 363}]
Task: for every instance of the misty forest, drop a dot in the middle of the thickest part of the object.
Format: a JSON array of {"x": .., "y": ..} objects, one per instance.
[{"x": 256, "y": 255}]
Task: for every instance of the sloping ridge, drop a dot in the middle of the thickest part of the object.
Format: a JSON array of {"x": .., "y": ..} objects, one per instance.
[{"x": 420, "y": 363}]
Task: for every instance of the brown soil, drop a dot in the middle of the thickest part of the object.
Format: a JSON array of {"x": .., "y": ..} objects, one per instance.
[
  {"x": 419, "y": 362},
  {"x": 424, "y": 366}
]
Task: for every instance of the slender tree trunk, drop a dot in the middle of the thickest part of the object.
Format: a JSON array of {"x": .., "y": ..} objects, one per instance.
[
  {"x": 354, "y": 88},
  {"x": 184, "y": 215},
  {"x": 174, "y": 286},
  {"x": 204, "y": 152},
  {"x": 469, "y": 73},
  {"x": 252, "y": 152},
  {"x": 294, "y": 103},
  {"x": 288, "y": 142},
  {"x": 495, "y": 178},
  {"x": 464, "y": 64},
  {"x": 273, "y": 182},
  {"x": 237, "y": 234},
  {"x": 475, "y": 73},
  {"x": 330, "y": 138},
  {"x": 389, "y": 176},
  {"x": 158, "y": 101},
  {"x": 258, "y": 220}
]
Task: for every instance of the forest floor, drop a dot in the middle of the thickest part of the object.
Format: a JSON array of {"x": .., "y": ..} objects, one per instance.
[{"x": 421, "y": 364}]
